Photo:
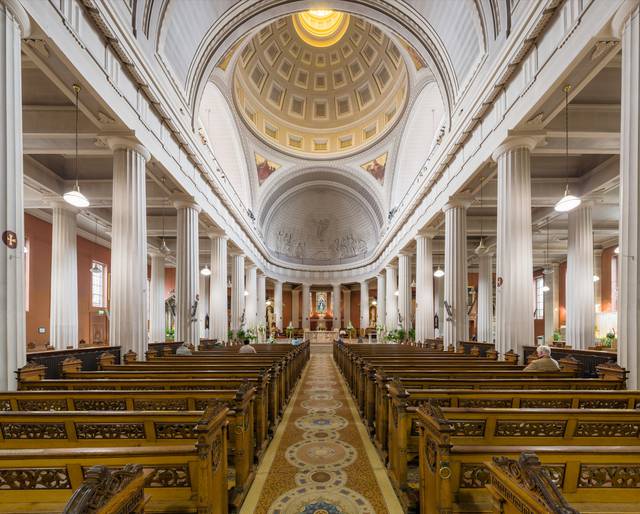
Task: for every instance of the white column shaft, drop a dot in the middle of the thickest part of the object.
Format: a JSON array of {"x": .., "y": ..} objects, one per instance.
[
  {"x": 187, "y": 275},
  {"x": 262, "y": 300},
  {"x": 456, "y": 326},
  {"x": 364, "y": 304},
  {"x": 203, "y": 304},
  {"x": 438, "y": 286},
  {"x": 295, "y": 308},
  {"x": 251, "y": 300},
  {"x": 485, "y": 297},
  {"x": 335, "y": 299},
  {"x": 238, "y": 320},
  {"x": 514, "y": 266},
  {"x": 580, "y": 297},
  {"x": 156, "y": 309},
  {"x": 347, "y": 307},
  {"x": 12, "y": 259},
  {"x": 277, "y": 304},
  {"x": 392, "y": 299},
  {"x": 404, "y": 290},
  {"x": 306, "y": 306},
  {"x": 218, "y": 323},
  {"x": 128, "y": 326},
  {"x": 64, "y": 279},
  {"x": 424, "y": 288},
  {"x": 381, "y": 299}
]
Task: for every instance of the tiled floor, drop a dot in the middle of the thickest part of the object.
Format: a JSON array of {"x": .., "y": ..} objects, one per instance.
[{"x": 321, "y": 459}]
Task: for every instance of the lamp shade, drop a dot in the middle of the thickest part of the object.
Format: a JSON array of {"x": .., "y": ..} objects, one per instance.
[
  {"x": 567, "y": 203},
  {"x": 438, "y": 273},
  {"x": 205, "y": 271},
  {"x": 75, "y": 197}
]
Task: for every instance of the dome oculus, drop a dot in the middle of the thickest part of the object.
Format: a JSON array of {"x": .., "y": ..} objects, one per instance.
[{"x": 321, "y": 28}]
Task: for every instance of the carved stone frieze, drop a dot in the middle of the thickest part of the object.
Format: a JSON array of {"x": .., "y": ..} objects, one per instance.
[
  {"x": 34, "y": 431},
  {"x": 530, "y": 428},
  {"x": 110, "y": 430}
]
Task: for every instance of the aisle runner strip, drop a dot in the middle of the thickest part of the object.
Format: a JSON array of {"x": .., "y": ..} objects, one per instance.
[{"x": 321, "y": 459}]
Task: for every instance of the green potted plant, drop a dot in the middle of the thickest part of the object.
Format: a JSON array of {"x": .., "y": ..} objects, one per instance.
[
  {"x": 170, "y": 334},
  {"x": 412, "y": 334}
]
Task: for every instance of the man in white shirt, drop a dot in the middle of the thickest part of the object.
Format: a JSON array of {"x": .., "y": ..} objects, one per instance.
[{"x": 247, "y": 348}]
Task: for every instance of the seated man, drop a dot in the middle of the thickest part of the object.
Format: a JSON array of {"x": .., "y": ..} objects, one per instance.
[
  {"x": 247, "y": 348},
  {"x": 183, "y": 349},
  {"x": 544, "y": 362}
]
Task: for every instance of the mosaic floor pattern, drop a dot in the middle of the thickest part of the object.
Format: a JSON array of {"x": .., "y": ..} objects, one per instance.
[{"x": 321, "y": 461}]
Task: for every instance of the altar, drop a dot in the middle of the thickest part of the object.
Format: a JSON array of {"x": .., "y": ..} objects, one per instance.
[{"x": 321, "y": 336}]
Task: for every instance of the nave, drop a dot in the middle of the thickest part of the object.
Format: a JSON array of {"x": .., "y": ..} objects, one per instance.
[{"x": 321, "y": 459}]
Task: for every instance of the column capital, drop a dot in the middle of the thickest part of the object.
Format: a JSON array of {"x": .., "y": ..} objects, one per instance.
[
  {"x": 236, "y": 253},
  {"x": 185, "y": 201},
  {"x": 428, "y": 233},
  {"x": 336, "y": 284},
  {"x": 217, "y": 233},
  {"x": 459, "y": 200},
  {"x": 20, "y": 15},
  {"x": 365, "y": 282},
  {"x": 125, "y": 142},
  {"x": 484, "y": 252},
  {"x": 155, "y": 252},
  {"x": 527, "y": 140},
  {"x": 56, "y": 202},
  {"x": 390, "y": 266}
]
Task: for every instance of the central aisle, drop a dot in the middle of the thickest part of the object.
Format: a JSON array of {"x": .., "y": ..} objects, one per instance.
[{"x": 321, "y": 459}]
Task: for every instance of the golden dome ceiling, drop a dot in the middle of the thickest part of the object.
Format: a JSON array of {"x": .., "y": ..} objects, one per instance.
[{"x": 320, "y": 84}]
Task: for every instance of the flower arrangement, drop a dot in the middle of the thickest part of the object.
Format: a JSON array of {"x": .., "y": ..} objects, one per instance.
[
  {"x": 251, "y": 334},
  {"x": 290, "y": 330},
  {"x": 351, "y": 329},
  {"x": 170, "y": 334}
]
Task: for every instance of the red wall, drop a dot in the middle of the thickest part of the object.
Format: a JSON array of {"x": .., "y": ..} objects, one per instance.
[{"x": 38, "y": 235}]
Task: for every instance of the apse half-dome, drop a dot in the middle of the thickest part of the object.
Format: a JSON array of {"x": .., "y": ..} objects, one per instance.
[{"x": 320, "y": 84}]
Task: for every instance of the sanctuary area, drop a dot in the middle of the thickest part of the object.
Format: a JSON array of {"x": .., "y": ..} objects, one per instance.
[{"x": 319, "y": 256}]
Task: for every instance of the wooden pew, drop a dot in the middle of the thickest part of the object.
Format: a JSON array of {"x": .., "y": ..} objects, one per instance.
[
  {"x": 265, "y": 403},
  {"x": 397, "y": 436},
  {"x": 187, "y": 477},
  {"x": 455, "y": 443},
  {"x": 106, "y": 491}
]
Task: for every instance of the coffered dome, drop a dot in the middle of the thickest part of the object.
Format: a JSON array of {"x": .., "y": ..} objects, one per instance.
[{"x": 320, "y": 84}]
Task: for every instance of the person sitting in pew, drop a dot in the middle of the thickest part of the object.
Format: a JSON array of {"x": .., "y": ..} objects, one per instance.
[
  {"x": 184, "y": 349},
  {"x": 544, "y": 362},
  {"x": 247, "y": 348}
]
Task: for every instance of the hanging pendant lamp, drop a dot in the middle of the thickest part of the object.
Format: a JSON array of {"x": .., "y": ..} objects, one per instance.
[
  {"x": 75, "y": 197},
  {"x": 568, "y": 202},
  {"x": 438, "y": 273}
]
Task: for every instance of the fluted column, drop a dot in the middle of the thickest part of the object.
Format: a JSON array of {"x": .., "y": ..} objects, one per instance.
[
  {"x": 580, "y": 305},
  {"x": 218, "y": 323},
  {"x": 514, "y": 259},
  {"x": 261, "y": 309},
  {"x": 392, "y": 299},
  {"x": 14, "y": 25},
  {"x": 157, "y": 332},
  {"x": 277, "y": 304},
  {"x": 295, "y": 308},
  {"x": 404, "y": 289},
  {"x": 251, "y": 300},
  {"x": 456, "y": 325},
  {"x": 203, "y": 304},
  {"x": 485, "y": 295},
  {"x": 187, "y": 271},
  {"x": 551, "y": 301},
  {"x": 127, "y": 323},
  {"x": 438, "y": 287},
  {"x": 381, "y": 299},
  {"x": 424, "y": 286},
  {"x": 64, "y": 277},
  {"x": 347, "y": 307},
  {"x": 335, "y": 300},
  {"x": 597, "y": 284},
  {"x": 306, "y": 306},
  {"x": 238, "y": 319},
  {"x": 364, "y": 304},
  {"x": 629, "y": 257}
]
